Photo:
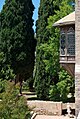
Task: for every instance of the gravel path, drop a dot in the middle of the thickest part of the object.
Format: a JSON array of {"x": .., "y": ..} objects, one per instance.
[{"x": 52, "y": 117}]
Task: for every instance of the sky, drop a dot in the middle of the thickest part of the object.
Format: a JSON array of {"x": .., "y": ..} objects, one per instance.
[{"x": 35, "y": 15}]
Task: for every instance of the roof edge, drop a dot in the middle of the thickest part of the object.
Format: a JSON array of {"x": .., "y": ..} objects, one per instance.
[
  {"x": 67, "y": 20},
  {"x": 64, "y": 24}
]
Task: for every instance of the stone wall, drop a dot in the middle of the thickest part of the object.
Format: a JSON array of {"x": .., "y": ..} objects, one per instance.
[
  {"x": 77, "y": 56},
  {"x": 64, "y": 106},
  {"x": 49, "y": 107},
  {"x": 46, "y": 107}
]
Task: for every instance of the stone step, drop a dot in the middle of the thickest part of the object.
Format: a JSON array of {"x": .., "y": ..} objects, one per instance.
[
  {"x": 52, "y": 117},
  {"x": 28, "y": 93}
]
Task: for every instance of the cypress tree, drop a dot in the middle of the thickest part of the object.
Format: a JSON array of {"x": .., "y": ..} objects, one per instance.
[
  {"x": 42, "y": 75},
  {"x": 46, "y": 9},
  {"x": 17, "y": 37}
]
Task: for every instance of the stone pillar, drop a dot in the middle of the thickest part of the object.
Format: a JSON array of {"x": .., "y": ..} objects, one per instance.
[{"x": 77, "y": 57}]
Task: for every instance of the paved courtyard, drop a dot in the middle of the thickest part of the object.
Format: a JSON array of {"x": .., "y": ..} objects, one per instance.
[{"x": 52, "y": 117}]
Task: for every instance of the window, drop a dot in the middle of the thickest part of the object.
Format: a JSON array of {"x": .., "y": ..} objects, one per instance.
[
  {"x": 71, "y": 42},
  {"x": 62, "y": 43}
]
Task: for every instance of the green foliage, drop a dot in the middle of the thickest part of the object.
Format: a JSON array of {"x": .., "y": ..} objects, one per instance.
[
  {"x": 28, "y": 84},
  {"x": 13, "y": 106},
  {"x": 2, "y": 86},
  {"x": 41, "y": 81},
  {"x": 17, "y": 36},
  {"x": 64, "y": 9},
  {"x": 47, "y": 51},
  {"x": 64, "y": 87},
  {"x": 50, "y": 52},
  {"x": 6, "y": 73},
  {"x": 54, "y": 94},
  {"x": 45, "y": 10},
  {"x": 45, "y": 67},
  {"x": 25, "y": 86}
]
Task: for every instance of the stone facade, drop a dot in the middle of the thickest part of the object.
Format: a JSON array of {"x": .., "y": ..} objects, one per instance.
[{"x": 77, "y": 56}]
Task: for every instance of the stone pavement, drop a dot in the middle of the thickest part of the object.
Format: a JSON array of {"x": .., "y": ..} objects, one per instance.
[{"x": 52, "y": 117}]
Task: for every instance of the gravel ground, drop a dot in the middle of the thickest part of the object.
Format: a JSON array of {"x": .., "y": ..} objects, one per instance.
[{"x": 52, "y": 117}]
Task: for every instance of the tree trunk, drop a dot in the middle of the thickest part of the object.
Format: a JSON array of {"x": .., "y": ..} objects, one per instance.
[
  {"x": 17, "y": 79},
  {"x": 20, "y": 87}
]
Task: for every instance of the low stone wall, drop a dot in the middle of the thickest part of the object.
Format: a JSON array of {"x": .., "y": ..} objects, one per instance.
[
  {"x": 64, "y": 105},
  {"x": 46, "y": 107}
]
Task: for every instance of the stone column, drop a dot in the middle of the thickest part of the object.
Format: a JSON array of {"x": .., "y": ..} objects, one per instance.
[{"x": 77, "y": 57}]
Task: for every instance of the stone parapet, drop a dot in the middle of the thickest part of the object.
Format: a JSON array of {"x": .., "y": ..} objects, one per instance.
[{"x": 46, "y": 107}]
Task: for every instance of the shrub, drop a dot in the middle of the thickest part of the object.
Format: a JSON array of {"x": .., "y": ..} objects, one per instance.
[
  {"x": 12, "y": 105},
  {"x": 63, "y": 88}
]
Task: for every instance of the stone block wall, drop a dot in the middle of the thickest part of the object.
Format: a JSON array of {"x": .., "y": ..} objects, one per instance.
[
  {"x": 77, "y": 56},
  {"x": 46, "y": 107}
]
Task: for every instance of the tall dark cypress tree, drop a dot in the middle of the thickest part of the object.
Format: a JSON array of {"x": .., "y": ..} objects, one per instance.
[
  {"x": 46, "y": 9},
  {"x": 42, "y": 76},
  {"x": 17, "y": 37}
]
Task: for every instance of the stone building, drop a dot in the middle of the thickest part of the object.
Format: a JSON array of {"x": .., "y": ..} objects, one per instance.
[{"x": 67, "y": 42}]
